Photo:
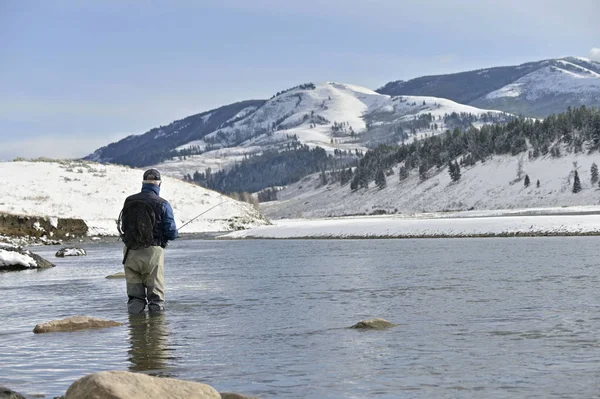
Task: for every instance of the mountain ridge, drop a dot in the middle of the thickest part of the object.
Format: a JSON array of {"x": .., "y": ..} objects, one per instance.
[{"x": 474, "y": 87}]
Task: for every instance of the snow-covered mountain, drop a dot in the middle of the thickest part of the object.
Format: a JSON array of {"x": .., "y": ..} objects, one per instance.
[
  {"x": 494, "y": 184},
  {"x": 533, "y": 89},
  {"x": 95, "y": 193},
  {"x": 330, "y": 115},
  {"x": 155, "y": 145}
]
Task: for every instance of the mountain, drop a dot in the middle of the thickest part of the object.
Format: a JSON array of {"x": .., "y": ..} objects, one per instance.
[
  {"x": 534, "y": 89},
  {"x": 334, "y": 116},
  {"x": 155, "y": 145},
  {"x": 95, "y": 193}
]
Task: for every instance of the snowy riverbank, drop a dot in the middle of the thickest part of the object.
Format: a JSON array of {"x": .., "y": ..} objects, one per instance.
[
  {"x": 549, "y": 221},
  {"x": 93, "y": 194}
]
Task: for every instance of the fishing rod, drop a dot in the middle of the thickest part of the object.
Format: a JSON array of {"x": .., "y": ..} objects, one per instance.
[{"x": 206, "y": 211}]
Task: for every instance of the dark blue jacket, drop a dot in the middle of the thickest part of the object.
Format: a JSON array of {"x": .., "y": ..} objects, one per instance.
[{"x": 165, "y": 228}]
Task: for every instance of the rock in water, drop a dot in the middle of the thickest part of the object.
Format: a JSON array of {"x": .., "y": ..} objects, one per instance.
[
  {"x": 74, "y": 323},
  {"x": 126, "y": 385},
  {"x": 376, "y": 324},
  {"x": 17, "y": 258},
  {"x": 70, "y": 252},
  {"x": 231, "y": 395},
  {"x": 6, "y": 393},
  {"x": 116, "y": 275}
]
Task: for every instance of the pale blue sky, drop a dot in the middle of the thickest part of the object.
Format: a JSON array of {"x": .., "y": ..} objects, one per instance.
[{"x": 78, "y": 74}]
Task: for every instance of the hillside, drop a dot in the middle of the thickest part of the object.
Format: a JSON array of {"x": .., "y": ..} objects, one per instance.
[
  {"x": 95, "y": 193},
  {"x": 494, "y": 167},
  {"x": 155, "y": 145},
  {"x": 486, "y": 186},
  {"x": 333, "y": 116},
  {"x": 533, "y": 89}
]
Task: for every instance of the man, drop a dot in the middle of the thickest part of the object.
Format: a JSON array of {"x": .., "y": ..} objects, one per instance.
[{"x": 144, "y": 259}]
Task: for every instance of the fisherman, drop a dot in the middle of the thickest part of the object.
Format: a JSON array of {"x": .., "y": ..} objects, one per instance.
[{"x": 147, "y": 224}]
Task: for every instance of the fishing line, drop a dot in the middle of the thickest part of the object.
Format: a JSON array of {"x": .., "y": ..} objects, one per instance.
[{"x": 206, "y": 211}]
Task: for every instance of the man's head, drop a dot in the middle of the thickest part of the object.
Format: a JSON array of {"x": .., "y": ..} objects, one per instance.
[{"x": 152, "y": 176}]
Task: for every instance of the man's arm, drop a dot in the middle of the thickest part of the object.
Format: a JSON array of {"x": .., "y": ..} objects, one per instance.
[{"x": 168, "y": 220}]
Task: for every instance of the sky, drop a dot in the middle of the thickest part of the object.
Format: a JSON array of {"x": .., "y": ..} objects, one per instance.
[{"x": 76, "y": 75}]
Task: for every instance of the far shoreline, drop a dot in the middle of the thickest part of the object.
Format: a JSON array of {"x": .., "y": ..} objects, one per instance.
[{"x": 420, "y": 237}]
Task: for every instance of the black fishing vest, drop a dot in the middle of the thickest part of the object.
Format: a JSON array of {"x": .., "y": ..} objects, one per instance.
[{"x": 157, "y": 204}]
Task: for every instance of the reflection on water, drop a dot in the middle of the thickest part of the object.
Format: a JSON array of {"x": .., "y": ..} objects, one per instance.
[{"x": 149, "y": 339}]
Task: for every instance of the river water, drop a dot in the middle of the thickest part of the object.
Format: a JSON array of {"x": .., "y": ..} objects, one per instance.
[{"x": 493, "y": 318}]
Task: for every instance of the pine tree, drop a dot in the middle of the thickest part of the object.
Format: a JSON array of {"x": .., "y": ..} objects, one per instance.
[
  {"x": 403, "y": 173},
  {"x": 576, "y": 184},
  {"x": 456, "y": 171},
  {"x": 323, "y": 177},
  {"x": 423, "y": 171},
  {"x": 527, "y": 181},
  {"x": 380, "y": 180},
  {"x": 538, "y": 184},
  {"x": 451, "y": 170},
  {"x": 594, "y": 173},
  {"x": 344, "y": 177}
]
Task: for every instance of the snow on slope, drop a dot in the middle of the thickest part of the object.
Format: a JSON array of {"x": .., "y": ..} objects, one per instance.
[
  {"x": 394, "y": 226},
  {"x": 309, "y": 113},
  {"x": 552, "y": 80},
  {"x": 95, "y": 193},
  {"x": 489, "y": 185},
  {"x": 216, "y": 160}
]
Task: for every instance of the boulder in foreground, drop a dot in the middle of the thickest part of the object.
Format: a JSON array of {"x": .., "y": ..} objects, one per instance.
[
  {"x": 6, "y": 393},
  {"x": 70, "y": 252},
  {"x": 126, "y": 385},
  {"x": 375, "y": 324},
  {"x": 73, "y": 324},
  {"x": 17, "y": 258}
]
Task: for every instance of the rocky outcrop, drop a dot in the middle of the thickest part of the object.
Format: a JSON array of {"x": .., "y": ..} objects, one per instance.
[
  {"x": 6, "y": 393},
  {"x": 73, "y": 324},
  {"x": 116, "y": 275},
  {"x": 17, "y": 258},
  {"x": 375, "y": 324},
  {"x": 126, "y": 385},
  {"x": 37, "y": 226},
  {"x": 70, "y": 252}
]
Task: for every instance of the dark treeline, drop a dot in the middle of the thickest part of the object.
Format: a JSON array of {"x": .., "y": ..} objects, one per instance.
[
  {"x": 272, "y": 169},
  {"x": 576, "y": 130}
]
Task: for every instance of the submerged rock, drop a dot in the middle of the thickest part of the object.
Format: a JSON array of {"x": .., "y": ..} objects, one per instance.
[
  {"x": 74, "y": 323},
  {"x": 17, "y": 258},
  {"x": 6, "y": 393},
  {"x": 231, "y": 395},
  {"x": 70, "y": 252},
  {"x": 126, "y": 385},
  {"x": 375, "y": 324},
  {"x": 117, "y": 275}
]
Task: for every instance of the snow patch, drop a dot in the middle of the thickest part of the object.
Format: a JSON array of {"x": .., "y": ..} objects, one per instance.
[
  {"x": 53, "y": 222},
  {"x": 389, "y": 227},
  {"x": 551, "y": 80},
  {"x": 11, "y": 258}
]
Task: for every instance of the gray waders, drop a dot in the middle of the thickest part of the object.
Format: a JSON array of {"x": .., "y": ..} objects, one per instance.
[{"x": 144, "y": 272}]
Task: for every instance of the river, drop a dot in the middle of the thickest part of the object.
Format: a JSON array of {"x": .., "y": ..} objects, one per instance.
[{"x": 493, "y": 318}]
